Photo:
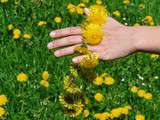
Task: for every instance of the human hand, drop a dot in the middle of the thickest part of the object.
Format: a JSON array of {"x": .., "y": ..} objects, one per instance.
[{"x": 118, "y": 41}]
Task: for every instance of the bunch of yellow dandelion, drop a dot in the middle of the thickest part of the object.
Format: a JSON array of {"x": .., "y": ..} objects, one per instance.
[
  {"x": 58, "y": 19},
  {"x": 89, "y": 61},
  {"x": 97, "y": 15},
  {"x": 141, "y": 93},
  {"x": 149, "y": 20},
  {"x": 44, "y": 82},
  {"x": 92, "y": 33},
  {"x": 16, "y": 33},
  {"x": 117, "y": 13},
  {"x": 139, "y": 117},
  {"x": 76, "y": 9},
  {"x": 22, "y": 77},
  {"x": 104, "y": 78},
  {"x": 42, "y": 23}
]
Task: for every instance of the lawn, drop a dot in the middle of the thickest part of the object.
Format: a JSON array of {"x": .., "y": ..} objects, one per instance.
[{"x": 30, "y": 101}]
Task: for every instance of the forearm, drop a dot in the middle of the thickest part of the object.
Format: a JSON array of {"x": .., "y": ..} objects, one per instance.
[{"x": 147, "y": 39}]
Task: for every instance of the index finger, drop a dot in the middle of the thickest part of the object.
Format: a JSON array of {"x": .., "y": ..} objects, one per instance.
[{"x": 66, "y": 32}]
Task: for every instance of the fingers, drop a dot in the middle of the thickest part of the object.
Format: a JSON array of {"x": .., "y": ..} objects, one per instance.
[
  {"x": 78, "y": 59},
  {"x": 65, "y": 51},
  {"x": 66, "y": 32},
  {"x": 71, "y": 40}
]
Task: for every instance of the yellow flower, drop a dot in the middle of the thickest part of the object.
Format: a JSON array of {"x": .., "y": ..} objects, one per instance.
[
  {"x": 154, "y": 56},
  {"x": 99, "y": 2},
  {"x": 4, "y": 1},
  {"x": 102, "y": 116},
  {"x": 86, "y": 113},
  {"x": 22, "y": 77},
  {"x": 98, "y": 80},
  {"x": 117, "y": 13},
  {"x": 71, "y": 8},
  {"x": 116, "y": 112},
  {"x": 126, "y": 2},
  {"x": 141, "y": 93},
  {"x": 81, "y": 5},
  {"x": 109, "y": 80},
  {"x": 89, "y": 61},
  {"x": 27, "y": 36},
  {"x": 134, "y": 89},
  {"x": 3, "y": 100},
  {"x": 148, "y": 18},
  {"x": 151, "y": 23},
  {"x": 136, "y": 24},
  {"x": 2, "y": 111},
  {"x": 44, "y": 83},
  {"x": 41, "y": 23},
  {"x": 97, "y": 15},
  {"x": 87, "y": 101},
  {"x": 16, "y": 33},
  {"x": 99, "y": 97},
  {"x": 141, "y": 6},
  {"x": 125, "y": 111},
  {"x": 92, "y": 34},
  {"x": 58, "y": 19},
  {"x": 79, "y": 10},
  {"x": 10, "y": 27},
  {"x": 148, "y": 96},
  {"x": 140, "y": 117},
  {"x": 45, "y": 75}
]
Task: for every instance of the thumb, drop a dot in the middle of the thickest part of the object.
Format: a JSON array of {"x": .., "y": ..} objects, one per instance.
[{"x": 86, "y": 11}]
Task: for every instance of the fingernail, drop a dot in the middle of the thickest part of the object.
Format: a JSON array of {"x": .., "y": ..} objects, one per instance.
[
  {"x": 50, "y": 45},
  {"x": 52, "y": 34},
  {"x": 57, "y": 53},
  {"x": 74, "y": 60}
]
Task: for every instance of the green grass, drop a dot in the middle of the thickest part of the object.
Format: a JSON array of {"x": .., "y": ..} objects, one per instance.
[{"x": 28, "y": 101}]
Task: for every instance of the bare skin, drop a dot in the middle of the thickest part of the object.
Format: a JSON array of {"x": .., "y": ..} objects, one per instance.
[{"x": 118, "y": 41}]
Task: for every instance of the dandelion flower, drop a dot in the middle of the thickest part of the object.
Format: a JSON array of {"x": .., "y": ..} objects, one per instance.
[
  {"x": 41, "y": 23},
  {"x": 151, "y": 23},
  {"x": 98, "y": 80},
  {"x": 116, "y": 112},
  {"x": 134, "y": 89},
  {"x": 79, "y": 10},
  {"x": 45, "y": 75},
  {"x": 109, "y": 80},
  {"x": 27, "y": 36},
  {"x": 141, "y": 6},
  {"x": 22, "y": 77},
  {"x": 2, "y": 111},
  {"x": 148, "y": 96},
  {"x": 3, "y": 100},
  {"x": 99, "y": 2},
  {"x": 71, "y": 8},
  {"x": 92, "y": 34},
  {"x": 154, "y": 56},
  {"x": 10, "y": 27},
  {"x": 126, "y": 2},
  {"x": 86, "y": 113},
  {"x": 117, "y": 13},
  {"x": 148, "y": 18},
  {"x": 58, "y": 19},
  {"x": 125, "y": 111},
  {"x": 90, "y": 61},
  {"x": 97, "y": 15},
  {"x": 16, "y": 33},
  {"x": 81, "y": 5},
  {"x": 102, "y": 116},
  {"x": 44, "y": 83},
  {"x": 140, "y": 117},
  {"x": 98, "y": 97},
  {"x": 4, "y": 1},
  {"x": 141, "y": 93}
]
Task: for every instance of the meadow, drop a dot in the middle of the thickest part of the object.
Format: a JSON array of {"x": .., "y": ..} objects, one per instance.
[{"x": 31, "y": 100}]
